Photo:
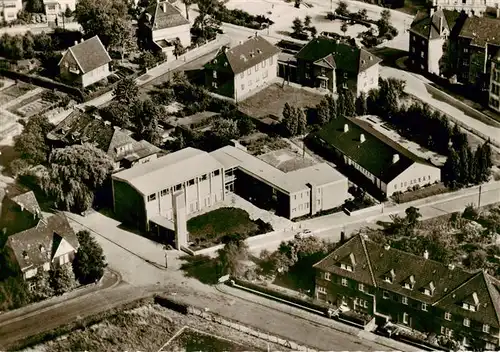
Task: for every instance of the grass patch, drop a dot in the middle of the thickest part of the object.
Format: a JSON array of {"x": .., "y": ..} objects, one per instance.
[
  {"x": 200, "y": 267},
  {"x": 213, "y": 227},
  {"x": 264, "y": 144},
  {"x": 194, "y": 340},
  {"x": 18, "y": 89},
  {"x": 425, "y": 192},
  {"x": 270, "y": 101}
]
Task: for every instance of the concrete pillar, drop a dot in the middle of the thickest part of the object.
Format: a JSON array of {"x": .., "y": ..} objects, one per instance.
[
  {"x": 180, "y": 220},
  {"x": 199, "y": 193}
]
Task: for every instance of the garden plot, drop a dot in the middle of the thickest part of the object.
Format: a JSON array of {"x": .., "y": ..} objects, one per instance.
[
  {"x": 33, "y": 105},
  {"x": 14, "y": 91},
  {"x": 286, "y": 160}
]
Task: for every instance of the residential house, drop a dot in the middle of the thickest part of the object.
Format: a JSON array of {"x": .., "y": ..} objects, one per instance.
[
  {"x": 143, "y": 195},
  {"x": 412, "y": 292},
  {"x": 332, "y": 65},
  {"x": 52, "y": 242},
  {"x": 165, "y": 25},
  {"x": 494, "y": 91},
  {"x": 243, "y": 70},
  {"x": 428, "y": 38},
  {"x": 80, "y": 127},
  {"x": 471, "y": 7},
  {"x": 54, "y": 9},
  {"x": 85, "y": 63},
  {"x": 383, "y": 162},
  {"x": 9, "y": 9},
  {"x": 19, "y": 212}
]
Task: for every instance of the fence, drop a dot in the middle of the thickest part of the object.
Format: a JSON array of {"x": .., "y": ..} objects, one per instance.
[{"x": 379, "y": 206}]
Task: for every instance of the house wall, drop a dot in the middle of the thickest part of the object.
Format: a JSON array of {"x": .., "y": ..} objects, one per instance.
[
  {"x": 68, "y": 64},
  {"x": 255, "y": 78},
  {"x": 494, "y": 91},
  {"x": 200, "y": 192},
  {"x": 329, "y": 84},
  {"x": 129, "y": 204},
  {"x": 9, "y": 9},
  {"x": 222, "y": 82},
  {"x": 182, "y": 32},
  {"x": 332, "y": 195},
  {"x": 372, "y": 178},
  {"x": 416, "y": 175},
  {"x": 471, "y": 7},
  {"x": 95, "y": 75},
  {"x": 300, "y": 203},
  {"x": 367, "y": 80},
  {"x": 418, "y": 53},
  {"x": 53, "y": 8},
  {"x": 435, "y": 53}
]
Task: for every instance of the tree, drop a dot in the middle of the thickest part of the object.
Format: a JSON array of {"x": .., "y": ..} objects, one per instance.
[
  {"x": 363, "y": 14},
  {"x": 41, "y": 286},
  {"x": 231, "y": 256},
  {"x": 346, "y": 104},
  {"x": 28, "y": 45},
  {"x": 32, "y": 142},
  {"x": 34, "y": 6},
  {"x": 105, "y": 18},
  {"x": 178, "y": 48},
  {"x": 313, "y": 31},
  {"x": 332, "y": 106},
  {"x": 245, "y": 126},
  {"x": 482, "y": 162},
  {"x": 383, "y": 23},
  {"x": 74, "y": 174},
  {"x": 16, "y": 48},
  {"x": 68, "y": 13},
  {"x": 342, "y": 9},
  {"x": 205, "y": 24},
  {"x": 344, "y": 28},
  {"x": 451, "y": 169},
  {"x": 297, "y": 28},
  {"x": 361, "y": 104},
  {"x": 301, "y": 121},
  {"x": 144, "y": 117},
  {"x": 62, "y": 279},
  {"x": 307, "y": 21},
  {"x": 412, "y": 216},
  {"x": 390, "y": 92},
  {"x": 476, "y": 259},
  {"x": 124, "y": 37},
  {"x": 225, "y": 129},
  {"x": 43, "y": 42},
  {"x": 322, "y": 112},
  {"x": 89, "y": 262},
  {"x": 126, "y": 91},
  {"x": 289, "y": 121},
  {"x": 147, "y": 60},
  {"x": 117, "y": 113}
]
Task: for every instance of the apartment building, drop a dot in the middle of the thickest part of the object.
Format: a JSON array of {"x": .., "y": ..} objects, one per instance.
[
  {"x": 494, "y": 97},
  {"x": 243, "y": 70},
  {"x": 9, "y": 9},
  {"x": 383, "y": 162},
  {"x": 328, "y": 64},
  {"x": 471, "y": 7},
  {"x": 56, "y": 8},
  {"x": 412, "y": 292}
]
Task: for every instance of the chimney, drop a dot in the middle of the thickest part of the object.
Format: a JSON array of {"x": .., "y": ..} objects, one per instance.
[
  {"x": 426, "y": 254},
  {"x": 395, "y": 158},
  {"x": 346, "y": 128},
  {"x": 451, "y": 266},
  {"x": 498, "y": 11},
  {"x": 387, "y": 247},
  {"x": 338, "y": 41},
  {"x": 164, "y": 6},
  {"x": 81, "y": 40},
  {"x": 240, "y": 42},
  {"x": 76, "y": 42},
  {"x": 362, "y": 138}
]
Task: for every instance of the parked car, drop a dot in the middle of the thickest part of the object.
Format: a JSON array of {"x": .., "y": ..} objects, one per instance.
[{"x": 304, "y": 234}]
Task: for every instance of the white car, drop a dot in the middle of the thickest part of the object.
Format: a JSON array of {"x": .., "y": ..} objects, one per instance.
[{"x": 304, "y": 234}]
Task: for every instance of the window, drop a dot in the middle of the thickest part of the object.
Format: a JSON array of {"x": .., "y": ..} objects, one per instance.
[
  {"x": 271, "y": 60},
  {"x": 404, "y": 300},
  {"x": 294, "y": 197},
  {"x": 164, "y": 192},
  {"x": 178, "y": 187},
  {"x": 249, "y": 72},
  {"x": 264, "y": 74},
  {"x": 263, "y": 63},
  {"x": 307, "y": 205},
  {"x": 327, "y": 276},
  {"x": 344, "y": 281},
  {"x": 489, "y": 346},
  {"x": 242, "y": 75},
  {"x": 191, "y": 182},
  {"x": 214, "y": 85},
  {"x": 423, "y": 42},
  {"x": 447, "y": 316},
  {"x": 256, "y": 68},
  {"x": 151, "y": 197},
  {"x": 361, "y": 287},
  {"x": 321, "y": 289},
  {"x": 345, "y": 267},
  {"x": 427, "y": 292},
  {"x": 216, "y": 173},
  {"x": 214, "y": 74},
  {"x": 466, "y": 322},
  {"x": 405, "y": 318},
  {"x": 407, "y": 286},
  {"x": 413, "y": 49},
  {"x": 424, "y": 307},
  {"x": 203, "y": 177},
  {"x": 242, "y": 87},
  {"x": 486, "y": 328},
  {"x": 385, "y": 295},
  {"x": 466, "y": 50},
  {"x": 308, "y": 76}
]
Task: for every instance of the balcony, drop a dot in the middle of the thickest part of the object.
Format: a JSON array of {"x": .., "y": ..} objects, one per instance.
[{"x": 229, "y": 178}]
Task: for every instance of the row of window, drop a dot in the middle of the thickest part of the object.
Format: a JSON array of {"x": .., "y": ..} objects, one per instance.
[
  {"x": 178, "y": 187},
  {"x": 262, "y": 64},
  {"x": 495, "y": 89},
  {"x": 265, "y": 74},
  {"x": 302, "y": 194},
  {"x": 414, "y": 181},
  {"x": 302, "y": 207}
]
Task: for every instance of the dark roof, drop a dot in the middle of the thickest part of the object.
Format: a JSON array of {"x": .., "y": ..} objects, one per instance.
[
  {"x": 482, "y": 30},
  {"x": 37, "y": 246},
  {"x": 428, "y": 26},
  {"x": 244, "y": 56},
  {"x": 27, "y": 201},
  {"x": 452, "y": 286},
  {"x": 375, "y": 154},
  {"x": 345, "y": 57},
  {"x": 122, "y": 146},
  {"x": 90, "y": 54},
  {"x": 19, "y": 212},
  {"x": 81, "y": 127},
  {"x": 165, "y": 15}
]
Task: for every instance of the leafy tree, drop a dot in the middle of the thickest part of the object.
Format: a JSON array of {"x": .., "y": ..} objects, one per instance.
[
  {"x": 232, "y": 255},
  {"x": 476, "y": 259},
  {"x": 62, "y": 279},
  {"x": 346, "y": 104},
  {"x": 43, "y": 42},
  {"x": 147, "y": 60},
  {"x": 34, "y": 6},
  {"x": 391, "y": 91},
  {"x": 344, "y": 27},
  {"x": 482, "y": 161},
  {"x": 16, "y": 48},
  {"x": 89, "y": 262},
  {"x": 206, "y": 24},
  {"x": 145, "y": 116},
  {"x": 32, "y": 142},
  {"x": 301, "y": 121},
  {"x": 361, "y": 104},
  {"x": 124, "y": 37},
  {"x": 178, "y": 48},
  {"x": 28, "y": 45},
  {"x": 332, "y": 107},
  {"x": 225, "y": 129},
  {"x": 363, "y": 14},
  {"x": 117, "y": 113},
  {"x": 307, "y": 21},
  {"x": 289, "y": 121},
  {"x": 412, "y": 216},
  {"x": 297, "y": 28},
  {"x": 384, "y": 23},
  {"x": 126, "y": 91},
  {"x": 451, "y": 169},
  {"x": 245, "y": 126},
  {"x": 68, "y": 13},
  {"x": 313, "y": 31},
  {"x": 73, "y": 175},
  {"x": 323, "y": 112},
  {"x": 105, "y": 18},
  {"x": 41, "y": 286},
  {"x": 342, "y": 9}
]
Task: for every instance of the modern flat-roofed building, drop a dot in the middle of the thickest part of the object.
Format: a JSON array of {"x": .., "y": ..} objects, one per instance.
[
  {"x": 143, "y": 193},
  {"x": 292, "y": 194},
  {"x": 385, "y": 163},
  {"x": 9, "y": 9}
]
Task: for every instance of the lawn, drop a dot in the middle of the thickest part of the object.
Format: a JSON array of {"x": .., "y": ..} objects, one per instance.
[
  {"x": 424, "y": 192},
  {"x": 270, "y": 101},
  {"x": 191, "y": 340},
  {"x": 211, "y": 228}
]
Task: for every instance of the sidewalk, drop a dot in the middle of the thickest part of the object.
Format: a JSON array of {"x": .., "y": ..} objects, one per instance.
[{"x": 109, "y": 280}]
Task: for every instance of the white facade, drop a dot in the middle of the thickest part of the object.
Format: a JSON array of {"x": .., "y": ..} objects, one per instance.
[
  {"x": 367, "y": 80},
  {"x": 95, "y": 75},
  {"x": 494, "y": 98},
  {"x": 55, "y": 8},
  {"x": 416, "y": 175},
  {"x": 471, "y": 7},
  {"x": 9, "y": 9},
  {"x": 183, "y": 32},
  {"x": 434, "y": 54},
  {"x": 255, "y": 78},
  {"x": 200, "y": 192}
]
